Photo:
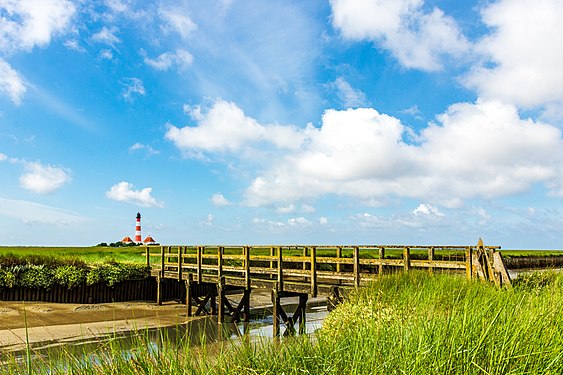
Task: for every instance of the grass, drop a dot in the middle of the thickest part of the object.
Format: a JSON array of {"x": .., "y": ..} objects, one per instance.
[
  {"x": 88, "y": 254},
  {"x": 410, "y": 323}
]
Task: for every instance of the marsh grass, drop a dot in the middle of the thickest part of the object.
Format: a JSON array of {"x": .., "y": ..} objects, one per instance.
[{"x": 410, "y": 323}]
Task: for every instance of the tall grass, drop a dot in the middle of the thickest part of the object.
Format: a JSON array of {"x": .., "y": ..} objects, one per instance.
[{"x": 402, "y": 324}]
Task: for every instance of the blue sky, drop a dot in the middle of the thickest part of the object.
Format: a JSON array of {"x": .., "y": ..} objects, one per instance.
[{"x": 282, "y": 122}]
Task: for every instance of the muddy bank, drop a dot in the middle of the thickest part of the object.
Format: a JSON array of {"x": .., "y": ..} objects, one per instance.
[
  {"x": 55, "y": 324},
  {"x": 534, "y": 262}
]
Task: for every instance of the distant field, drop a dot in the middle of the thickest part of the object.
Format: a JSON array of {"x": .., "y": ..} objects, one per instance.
[
  {"x": 88, "y": 254},
  {"x": 136, "y": 254}
]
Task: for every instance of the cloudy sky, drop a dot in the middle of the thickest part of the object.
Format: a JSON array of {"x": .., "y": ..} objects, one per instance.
[{"x": 282, "y": 122}]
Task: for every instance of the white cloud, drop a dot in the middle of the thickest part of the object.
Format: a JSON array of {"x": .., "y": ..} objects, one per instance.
[
  {"x": 107, "y": 36},
  {"x": 286, "y": 209},
  {"x": 181, "y": 58},
  {"x": 208, "y": 222},
  {"x": 124, "y": 192},
  {"x": 225, "y": 128},
  {"x": 74, "y": 45},
  {"x": 299, "y": 221},
  {"x": 43, "y": 179},
  {"x": 149, "y": 151},
  {"x": 219, "y": 200},
  {"x": 30, "y": 23},
  {"x": 323, "y": 220},
  {"x": 106, "y": 54},
  {"x": 424, "y": 209},
  {"x": 132, "y": 87},
  {"x": 525, "y": 52},
  {"x": 176, "y": 21},
  {"x": 418, "y": 39},
  {"x": 480, "y": 150},
  {"x": 11, "y": 83},
  {"x": 3, "y": 157},
  {"x": 349, "y": 96}
]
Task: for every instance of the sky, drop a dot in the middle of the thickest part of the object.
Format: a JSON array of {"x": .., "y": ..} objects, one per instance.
[{"x": 418, "y": 122}]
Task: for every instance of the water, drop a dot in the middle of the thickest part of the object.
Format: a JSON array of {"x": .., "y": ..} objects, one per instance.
[{"x": 192, "y": 334}]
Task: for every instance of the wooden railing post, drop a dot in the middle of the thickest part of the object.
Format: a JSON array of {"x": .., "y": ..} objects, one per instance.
[
  {"x": 247, "y": 267},
  {"x": 338, "y": 256},
  {"x": 381, "y": 257},
  {"x": 407, "y": 258},
  {"x": 220, "y": 250},
  {"x": 272, "y": 254},
  {"x": 180, "y": 263},
  {"x": 468, "y": 263},
  {"x": 431, "y": 259},
  {"x": 304, "y": 256},
  {"x": 357, "y": 280},
  {"x": 148, "y": 255},
  {"x": 162, "y": 248},
  {"x": 313, "y": 271},
  {"x": 199, "y": 259},
  {"x": 280, "y": 269}
]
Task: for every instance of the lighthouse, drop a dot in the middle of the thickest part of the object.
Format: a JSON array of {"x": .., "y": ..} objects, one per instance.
[{"x": 138, "y": 238}]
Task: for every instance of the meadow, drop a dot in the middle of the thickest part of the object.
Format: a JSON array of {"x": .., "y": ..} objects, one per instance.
[
  {"x": 136, "y": 253},
  {"x": 404, "y": 323}
]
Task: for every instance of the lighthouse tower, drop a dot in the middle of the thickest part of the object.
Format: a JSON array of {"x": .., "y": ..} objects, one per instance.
[{"x": 138, "y": 238}]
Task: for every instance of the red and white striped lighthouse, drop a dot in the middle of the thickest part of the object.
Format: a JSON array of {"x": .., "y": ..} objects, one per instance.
[{"x": 138, "y": 238}]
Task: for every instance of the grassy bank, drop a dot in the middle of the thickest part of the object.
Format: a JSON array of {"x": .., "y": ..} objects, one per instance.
[
  {"x": 87, "y": 254},
  {"x": 404, "y": 324}
]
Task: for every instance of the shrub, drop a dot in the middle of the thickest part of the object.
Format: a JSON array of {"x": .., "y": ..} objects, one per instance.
[
  {"x": 69, "y": 276},
  {"x": 7, "y": 278},
  {"x": 36, "y": 276}
]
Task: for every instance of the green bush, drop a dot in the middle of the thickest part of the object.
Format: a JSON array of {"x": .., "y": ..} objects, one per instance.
[
  {"x": 35, "y": 276},
  {"x": 7, "y": 278},
  {"x": 38, "y": 271},
  {"x": 69, "y": 276}
]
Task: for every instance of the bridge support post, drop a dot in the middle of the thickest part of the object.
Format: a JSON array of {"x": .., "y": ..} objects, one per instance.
[{"x": 280, "y": 315}]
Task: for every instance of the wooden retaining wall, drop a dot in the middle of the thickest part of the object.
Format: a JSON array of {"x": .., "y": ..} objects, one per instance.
[{"x": 130, "y": 290}]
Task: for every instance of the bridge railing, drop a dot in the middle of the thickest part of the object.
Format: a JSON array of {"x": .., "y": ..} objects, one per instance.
[{"x": 303, "y": 266}]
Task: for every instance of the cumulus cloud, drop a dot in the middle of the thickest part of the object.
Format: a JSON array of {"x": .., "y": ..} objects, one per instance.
[
  {"x": 181, "y": 59},
  {"x": 11, "y": 83},
  {"x": 418, "y": 39},
  {"x": 219, "y": 200},
  {"x": 124, "y": 192},
  {"x": 481, "y": 149},
  {"x": 522, "y": 54},
  {"x": 26, "y": 24},
  {"x": 43, "y": 179},
  {"x": 225, "y": 128},
  {"x": 132, "y": 87}
]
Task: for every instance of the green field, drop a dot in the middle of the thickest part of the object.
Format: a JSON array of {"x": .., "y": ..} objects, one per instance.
[{"x": 88, "y": 254}]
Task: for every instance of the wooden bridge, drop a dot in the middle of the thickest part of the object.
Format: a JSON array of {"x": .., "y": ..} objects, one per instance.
[{"x": 211, "y": 273}]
